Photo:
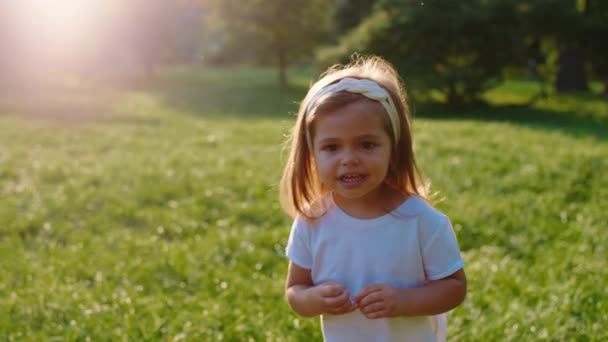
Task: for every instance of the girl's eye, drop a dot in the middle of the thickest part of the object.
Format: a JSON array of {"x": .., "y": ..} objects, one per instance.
[
  {"x": 368, "y": 145},
  {"x": 329, "y": 148}
]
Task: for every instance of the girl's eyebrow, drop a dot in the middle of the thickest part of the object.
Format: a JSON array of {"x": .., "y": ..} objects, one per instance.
[
  {"x": 328, "y": 140},
  {"x": 359, "y": 137},
  {"x": 368, "y": 136}
]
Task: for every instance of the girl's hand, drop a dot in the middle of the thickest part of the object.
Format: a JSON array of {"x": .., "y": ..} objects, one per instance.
[
  {"x": 332, "y": 298},
  {"x": 379, "y": 301}
]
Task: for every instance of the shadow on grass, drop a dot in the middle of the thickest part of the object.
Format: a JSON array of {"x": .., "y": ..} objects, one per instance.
[
  {"x": 253, "y": 93},
  {"x": 234, "y": 101},
  {"x": 55, "y": 105},
  {"x": 569, "y": 122},
  {"x": 233, "y": 92},
  {"x": 235, "y": 97}
]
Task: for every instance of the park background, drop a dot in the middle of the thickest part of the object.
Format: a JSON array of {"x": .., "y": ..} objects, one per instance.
[{"x": 141, "y": 144}]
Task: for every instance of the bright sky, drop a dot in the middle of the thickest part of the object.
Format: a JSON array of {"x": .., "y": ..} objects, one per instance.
[
  {"x": 58, "y": 22},
  {"x": 66, "y": 37}
]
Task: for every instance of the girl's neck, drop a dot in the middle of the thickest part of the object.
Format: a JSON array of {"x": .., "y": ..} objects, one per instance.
[{"x": 375, "y": 204}]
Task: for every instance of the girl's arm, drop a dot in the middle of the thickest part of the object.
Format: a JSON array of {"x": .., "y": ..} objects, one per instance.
[
  {"x": 439, "y": 296},
  {"x": 309, "y": 300}
]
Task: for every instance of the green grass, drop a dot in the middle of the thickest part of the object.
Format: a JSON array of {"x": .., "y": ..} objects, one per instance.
[{"x": 152, "y": 214}]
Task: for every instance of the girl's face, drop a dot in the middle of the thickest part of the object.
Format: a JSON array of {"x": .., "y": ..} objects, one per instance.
[{"x": 352, "y": 149}]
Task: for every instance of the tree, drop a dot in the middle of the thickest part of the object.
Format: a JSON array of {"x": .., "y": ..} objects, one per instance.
[
  {"x": 456, "y": 47},
  {"x": 572, "y": 35},
  {"x": 278, "y": 30},
  {"x": 557, "y": 25},
  {"x": 147, "y": 27},
  {"x": 347, "y": 14},
  {"x": 594, "y": 36}
]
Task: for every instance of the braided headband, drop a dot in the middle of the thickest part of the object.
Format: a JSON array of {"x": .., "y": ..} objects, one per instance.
[{"x": 365, "y": 87}]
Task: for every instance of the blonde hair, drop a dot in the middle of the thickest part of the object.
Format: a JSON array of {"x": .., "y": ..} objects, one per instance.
[{"x": 301, "y": 191}]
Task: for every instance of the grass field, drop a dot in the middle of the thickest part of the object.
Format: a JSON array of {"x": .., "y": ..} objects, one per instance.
[{"x": 152, "y": 214}]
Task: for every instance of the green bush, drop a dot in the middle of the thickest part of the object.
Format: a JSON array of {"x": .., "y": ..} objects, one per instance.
[{"x": 456, "y": 47}]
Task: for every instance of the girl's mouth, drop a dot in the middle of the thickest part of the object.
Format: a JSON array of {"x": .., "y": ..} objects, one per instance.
[{"x": 352, "y": 179}]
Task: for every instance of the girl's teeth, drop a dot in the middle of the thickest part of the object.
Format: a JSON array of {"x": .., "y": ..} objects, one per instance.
[{"x": 351, "y": 178}]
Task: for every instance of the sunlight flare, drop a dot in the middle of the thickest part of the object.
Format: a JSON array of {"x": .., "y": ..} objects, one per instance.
[{"x": 58, "y": 22}]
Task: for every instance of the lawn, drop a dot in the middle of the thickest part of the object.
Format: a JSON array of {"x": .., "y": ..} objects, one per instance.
[{"x": 152, "y": 213}]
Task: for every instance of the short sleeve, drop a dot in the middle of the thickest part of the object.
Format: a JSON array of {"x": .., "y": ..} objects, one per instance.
[
  {"x": 298, "y": 248},
  {"x": 440, "y": 252}
]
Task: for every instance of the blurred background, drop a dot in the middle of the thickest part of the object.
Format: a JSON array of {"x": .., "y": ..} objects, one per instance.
[
  {"x": 458, "y": 49},
  {"x": 141, "y": 143}
]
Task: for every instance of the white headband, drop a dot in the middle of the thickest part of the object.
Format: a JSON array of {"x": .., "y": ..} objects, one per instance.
[{"x": 365, "y": 87}]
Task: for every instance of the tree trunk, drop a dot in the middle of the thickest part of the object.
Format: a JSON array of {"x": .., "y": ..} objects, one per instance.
[
  {"x": 571, "y": 73},
  {"x": 454, "y": 100},
  {"x": 282, "y": 65}
]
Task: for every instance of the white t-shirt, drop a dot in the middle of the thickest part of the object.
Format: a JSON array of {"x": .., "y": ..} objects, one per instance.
[{"x": 398, "y": 248}]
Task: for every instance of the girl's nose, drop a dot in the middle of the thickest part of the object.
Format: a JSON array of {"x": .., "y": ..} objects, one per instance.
[{"x": 350, "y": 158}]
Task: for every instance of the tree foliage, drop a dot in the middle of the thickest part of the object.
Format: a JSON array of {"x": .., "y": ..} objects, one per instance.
[
  {"x": 278, "y": 31},
  {"x": 456, "y": 47},
  {"x": 462, "y": 48},
  {"x": 347, "y": 14},
  {"x": 572, "y": 36}
]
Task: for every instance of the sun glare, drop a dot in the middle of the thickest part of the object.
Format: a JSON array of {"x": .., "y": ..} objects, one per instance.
[{"x": 58, "y": 21}]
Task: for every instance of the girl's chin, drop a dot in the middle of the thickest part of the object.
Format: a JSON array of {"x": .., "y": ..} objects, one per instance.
[{"x": 355, "y": 194}]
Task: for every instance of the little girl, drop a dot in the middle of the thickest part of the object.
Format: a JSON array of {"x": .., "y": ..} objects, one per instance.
[{"x": 367, "y": 252}]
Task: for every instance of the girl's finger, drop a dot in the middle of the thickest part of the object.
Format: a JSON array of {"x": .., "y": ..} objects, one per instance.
[
  {"x": 339, "y": 309},
  {"x": 366, "y": 291},
  {"x": 377, "y": 314},
  {"x": 346, "y": 307},
  {"x": 377, "y": 306},
  {"x": 337, "y": 301},
  {"x": 332, "y": 290},
  {"x": 374, "y": 297}
]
